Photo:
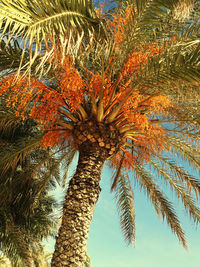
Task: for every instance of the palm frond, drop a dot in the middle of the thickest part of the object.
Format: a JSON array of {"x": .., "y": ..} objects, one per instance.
[
  {"x": 43, "y": 220},
  {"x": 18, "y": 137},
  {"x": 10, "y": 56},
  {"x": 67, "y": 160},
  {"x": 187, "y": 151},
  {"x": 164, "y": 68},
  {"x": 8, "y": 122},
  {"x": 21, "y": 231},
  {"x": 42, "y": 25},
  {"x": 154, "y": 13},
  {"x": 13, "y": 245},
  {"x": 187, "y": 134},
  {"x": 163, "y": 29},
  {"x": 186, "y": 197},
  {"x": 12, "y": 155},
  {"x": 181, "y": 174},
  {"x": 117, "y": 174},
  {"x": 162, "y": 205},
  {"x": 125, "y": 203},
  {"x": 184, "y": 115},
  {"x": 46, "y": 174}
]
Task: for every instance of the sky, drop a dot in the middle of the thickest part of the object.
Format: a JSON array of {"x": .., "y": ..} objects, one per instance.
[{"x": 155, "y": 246}]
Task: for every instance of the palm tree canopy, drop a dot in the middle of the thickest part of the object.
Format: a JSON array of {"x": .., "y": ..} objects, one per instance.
[{"x": 139, "y": 93}]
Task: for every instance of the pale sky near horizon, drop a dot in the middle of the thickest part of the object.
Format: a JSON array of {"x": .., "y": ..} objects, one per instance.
[{"x": 156, "y": 245}]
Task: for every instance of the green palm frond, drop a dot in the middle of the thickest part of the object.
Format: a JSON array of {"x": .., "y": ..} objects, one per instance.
[
  {"x": 176, "y": 62},
  {"x": 10, "y": 56},
  {"x": 151, "y": 12},
  {"x": 13, "y": 245},
  {"x": 8, "y": 122},
  {"x": 166, "y": 66},
  {"x": 187, "y": 133},
  {"x": 162, "y": 29},
  {"x": 187, "y": 151},
  {"x": 17, "y": 138},
  {"x": 180, "y": 173},
  {"x": 42, "y": 25},
  {"x": 125, "y": 203},
  {"x": 43, "y": 220},
  {"x": 67, "y": 160},
  {"x": 41, "y": 256},
  {"x": 46, "y": 174},
  {"x": 24, "y": 234},
  {"x": 184, "y": 120},
  {"x": 180, "y": 190},
  {"x": 11, "y": 155},
  {"x": 21, "y": 230},
  {"x": 157, "y": 7},
  {"x": 162, "y": 205}
]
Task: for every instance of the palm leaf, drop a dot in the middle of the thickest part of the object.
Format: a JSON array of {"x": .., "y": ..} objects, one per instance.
[
  {"x": 145, "y": 26},
  {"x": 14, "y": 246},
  {"x": 186, "y": 197},
  {"x": 42, "y": 25},
  {"x": 125, "y": 203},
  {"x": 152, "y": 12},
  {"x": 162, "y": 205},
  {"x": 165, "y": 67},
  {"x": 10, "y": 56},
  {"x": 67, "y": 160},
  {"x": 12, "y": 155},
  {"x": 187, "y": 151}
]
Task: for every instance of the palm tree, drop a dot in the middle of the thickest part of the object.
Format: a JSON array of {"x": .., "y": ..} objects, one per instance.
[
  {"x": 27, "y": 210},
  {"x": 131, "y": 101}
]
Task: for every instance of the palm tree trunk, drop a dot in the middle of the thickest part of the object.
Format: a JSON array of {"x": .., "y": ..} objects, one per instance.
[{"x": 80, "y": 200}]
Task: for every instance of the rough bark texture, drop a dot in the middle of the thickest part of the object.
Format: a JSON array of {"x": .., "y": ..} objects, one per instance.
[{"x": 81, "y": 197}]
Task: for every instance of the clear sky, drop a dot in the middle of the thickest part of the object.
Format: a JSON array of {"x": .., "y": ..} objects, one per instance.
[{"x": 156, "y": 245}]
